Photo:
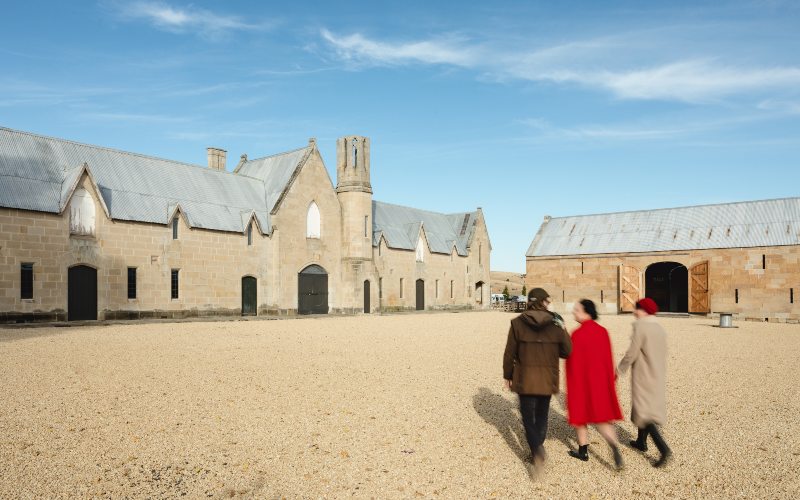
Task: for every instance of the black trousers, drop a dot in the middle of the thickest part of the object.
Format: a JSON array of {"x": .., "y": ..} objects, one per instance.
[{"x": 534, "y": 410}]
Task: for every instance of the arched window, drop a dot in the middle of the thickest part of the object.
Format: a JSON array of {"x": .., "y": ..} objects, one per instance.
[
  {"x": 81, "y": 213},
  {"x": 355, "y": 152},
  {"x": 420, "y": 250},
  {"x": 312, "y": 221}
]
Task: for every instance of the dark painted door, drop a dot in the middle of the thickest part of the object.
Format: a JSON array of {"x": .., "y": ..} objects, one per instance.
[
  {"x": 249, "y": 296},
  {"x": 312, "y": 291},
  {"x": 81, "y": 293},
  {"x": 420, "y": 295},
  {"x": 366, "y": 296}
]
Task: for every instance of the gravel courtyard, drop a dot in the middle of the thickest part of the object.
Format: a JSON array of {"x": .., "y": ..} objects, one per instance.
[{"x": 386, "y": 407}]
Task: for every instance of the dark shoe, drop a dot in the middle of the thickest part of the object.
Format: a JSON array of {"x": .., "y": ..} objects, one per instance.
[
  {"x": 618, "y": 463},
  {"x": 666, "y": 457},
  {"x": 666, "y": 453},
  {"x": 641, "y": 446},
  {"x": 581, "y": 454}
]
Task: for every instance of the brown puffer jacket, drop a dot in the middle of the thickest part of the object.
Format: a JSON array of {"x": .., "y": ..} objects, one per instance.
[{"x": 536, "y": 341}]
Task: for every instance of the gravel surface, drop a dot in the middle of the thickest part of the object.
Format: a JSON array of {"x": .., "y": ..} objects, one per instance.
[{"x": 386, "y": 407}]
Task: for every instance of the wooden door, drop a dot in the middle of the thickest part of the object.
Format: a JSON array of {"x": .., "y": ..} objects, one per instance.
[
  {"x": 366, "y": 297},
  {"x": 699, "y": 289},
  {"x": 312, "y": 291},
  {"x": 630, "y": 287},
  {"x": 81, "y": 293},
  {"x": 420, "y": 295},
  {"x": 249, "y": 296}
]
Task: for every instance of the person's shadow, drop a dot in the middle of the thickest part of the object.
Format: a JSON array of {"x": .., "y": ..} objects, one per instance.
[{"x": 504, "y": 416}]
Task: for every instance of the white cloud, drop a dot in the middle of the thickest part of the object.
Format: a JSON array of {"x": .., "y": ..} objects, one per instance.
[
  {"x": 547, "y": 130},
  {"x": 789, "y": 107},
  {"x": 598, "y": 63},
  {"x": 697, "y": 81},
  {"x": 358, "y": 48},
  {"x": 184, "y": 19},
  {"x": 648, "y": 130}
]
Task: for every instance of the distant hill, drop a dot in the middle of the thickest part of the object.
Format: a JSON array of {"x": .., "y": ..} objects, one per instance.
[{"x": 513, "y": 281}]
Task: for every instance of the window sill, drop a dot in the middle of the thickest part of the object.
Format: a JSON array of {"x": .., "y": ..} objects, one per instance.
[{"x": 28, "y": 301}]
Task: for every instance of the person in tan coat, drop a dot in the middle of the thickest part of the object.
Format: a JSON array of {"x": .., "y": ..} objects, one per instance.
[
  {"x": 536, "y": 340},
  {"x": 647, "y": 358}
]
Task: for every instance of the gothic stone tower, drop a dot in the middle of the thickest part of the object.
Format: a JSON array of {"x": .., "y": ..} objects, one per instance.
[{"x": 355, "y": 196}]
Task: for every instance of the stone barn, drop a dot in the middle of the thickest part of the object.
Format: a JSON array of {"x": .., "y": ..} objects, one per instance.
[{"x": 742, "y": 258}]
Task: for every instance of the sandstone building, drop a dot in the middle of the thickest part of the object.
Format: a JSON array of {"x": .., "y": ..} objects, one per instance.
[
  {"x": 88, "y": 232},
  {"x": 742, "y": 258}
]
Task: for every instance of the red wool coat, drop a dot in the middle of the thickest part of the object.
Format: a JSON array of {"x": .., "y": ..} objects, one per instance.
[{"x": 591, "y": 390}]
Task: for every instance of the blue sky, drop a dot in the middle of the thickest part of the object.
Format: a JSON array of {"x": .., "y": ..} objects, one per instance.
[{"x": 523, "y": 108}]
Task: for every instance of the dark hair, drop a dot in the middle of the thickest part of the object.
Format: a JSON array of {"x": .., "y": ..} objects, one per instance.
[{"x": 590, "y": 308}]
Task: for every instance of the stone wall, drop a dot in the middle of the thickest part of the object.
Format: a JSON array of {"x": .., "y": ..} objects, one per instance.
[
  {"x": 763, "y": 293},
  {"x": 294, "y": 251},
  {"x": 211, "y": 265},
  {"x": 464, "y": 273}
]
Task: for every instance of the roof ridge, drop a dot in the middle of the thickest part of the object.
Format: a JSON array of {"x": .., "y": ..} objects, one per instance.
[
  {"x": 277, "y": 154},
  {"x": 420, "y": 209},
  {"x": 676, "y": 208},
  {"x": 114, "y": 150}
]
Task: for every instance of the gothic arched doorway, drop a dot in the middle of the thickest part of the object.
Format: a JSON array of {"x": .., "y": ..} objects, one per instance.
[
  {"x": 667, "y": 283},
  {"x": 312, "y": 290}
]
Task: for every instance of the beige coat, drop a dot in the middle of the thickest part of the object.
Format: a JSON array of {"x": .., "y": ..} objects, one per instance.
[{"x": 647, "y": 356}]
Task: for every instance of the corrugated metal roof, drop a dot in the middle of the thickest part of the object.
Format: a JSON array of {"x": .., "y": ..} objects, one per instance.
[
  {"x": 275, "y": 171},
  {"x": 400, "y": 227},
  {"x": 729, "y": 225},
  {"x": 37, "y": 172}
]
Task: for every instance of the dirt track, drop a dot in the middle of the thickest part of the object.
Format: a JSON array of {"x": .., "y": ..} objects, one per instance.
[{"x": 393, "y": 406}]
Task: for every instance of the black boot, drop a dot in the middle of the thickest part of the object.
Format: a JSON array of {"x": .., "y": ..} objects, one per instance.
[
  {"x": 666, "y": 453},
  {"x": 618, "y": 463},
  {"x": 641, "y": 440},
  {"x": 581, "y": 454}
]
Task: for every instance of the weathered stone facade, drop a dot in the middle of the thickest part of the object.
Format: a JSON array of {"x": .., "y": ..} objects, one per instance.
[{"x": 210, "y": 264}]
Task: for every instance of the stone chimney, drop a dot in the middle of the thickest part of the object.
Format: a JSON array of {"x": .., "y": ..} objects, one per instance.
[{"x": 216, "y": 158}]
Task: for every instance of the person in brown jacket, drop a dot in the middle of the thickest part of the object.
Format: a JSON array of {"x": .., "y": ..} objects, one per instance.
[{"x": 536, "y": 340}]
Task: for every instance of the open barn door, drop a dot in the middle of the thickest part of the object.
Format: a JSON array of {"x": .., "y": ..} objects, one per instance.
[
  {"x": 630, "y": 287},
  {"x": 699, "y": 289}
]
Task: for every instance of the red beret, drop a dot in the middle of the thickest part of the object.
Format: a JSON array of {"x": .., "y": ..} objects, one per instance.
[{"x": 647, "y": 305}]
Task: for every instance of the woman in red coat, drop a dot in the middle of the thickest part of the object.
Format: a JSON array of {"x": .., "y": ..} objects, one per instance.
[{"x": 591, "y": 389}]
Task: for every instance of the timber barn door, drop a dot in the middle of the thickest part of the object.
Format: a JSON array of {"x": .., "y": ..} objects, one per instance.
[
  {"x": 249, "y": 296},
  {"x": 312, "y": 291},
  {"x": 699, "y": 289},
  {"x": 81, "y": 293},
  {"x": 420, "y": 295},
  {"x": 630, "y": 287}
]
